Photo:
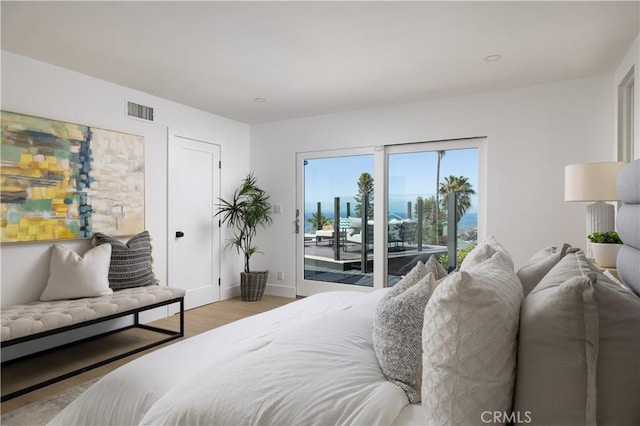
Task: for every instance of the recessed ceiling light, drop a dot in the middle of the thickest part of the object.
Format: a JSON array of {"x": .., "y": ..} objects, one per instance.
[
  {"x": 492, "y": 58},
  {"x": 259, "y": 99}
]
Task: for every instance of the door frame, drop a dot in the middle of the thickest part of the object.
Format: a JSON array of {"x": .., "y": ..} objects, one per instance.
[{"x": 172, "y": 135}]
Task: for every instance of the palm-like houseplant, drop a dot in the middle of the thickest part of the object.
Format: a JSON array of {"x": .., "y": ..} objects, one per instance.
[{"x": 248, "y": 210}]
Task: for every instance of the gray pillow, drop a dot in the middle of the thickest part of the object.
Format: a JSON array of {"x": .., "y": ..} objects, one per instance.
[
  {"x": 434, "y": 267},
  {"x": 397, "y": 326},
  {"x": 578, "y": 349},
  {"x": 131, "y": 263},
  {"x": 540, "y": 264},
  {"x": 557, "y": 353},
  {"x": 416, "y": 274},
  {"x": 419, "y": 271},
  {"x": 397, "y": 335},
  {"x": 618, "y": 368}
]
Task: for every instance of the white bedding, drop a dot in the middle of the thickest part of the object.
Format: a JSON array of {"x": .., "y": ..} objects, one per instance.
[{"x": 309, "y": 362}]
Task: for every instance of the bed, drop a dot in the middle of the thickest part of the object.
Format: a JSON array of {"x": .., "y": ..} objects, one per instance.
[
  {"x": 555, "y": 342},
  {"x": 299, "y": 361}
]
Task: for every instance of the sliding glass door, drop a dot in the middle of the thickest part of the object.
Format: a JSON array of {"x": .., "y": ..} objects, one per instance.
[
  {"x": 366, "y": 216},
  {"x": 338, "y": 200},
  {"x": 420, "y": 182}
]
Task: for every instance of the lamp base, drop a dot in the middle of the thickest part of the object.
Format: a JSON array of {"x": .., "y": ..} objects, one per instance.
[{"x": 600, "y": 218}]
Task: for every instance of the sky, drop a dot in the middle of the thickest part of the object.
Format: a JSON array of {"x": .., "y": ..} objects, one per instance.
[{"x": 410, "y": 175}]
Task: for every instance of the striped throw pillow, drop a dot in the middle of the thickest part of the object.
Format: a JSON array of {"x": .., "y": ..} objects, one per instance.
[{"x": 130, "y": 262}]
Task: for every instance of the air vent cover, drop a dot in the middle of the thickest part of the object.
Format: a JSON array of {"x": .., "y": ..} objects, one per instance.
[{"x": 141, "y": 112}]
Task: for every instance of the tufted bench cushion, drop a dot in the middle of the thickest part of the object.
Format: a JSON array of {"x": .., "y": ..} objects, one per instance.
[{"x": 25, "y": 320}]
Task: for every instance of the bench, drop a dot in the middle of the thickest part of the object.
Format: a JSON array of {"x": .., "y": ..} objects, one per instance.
[{"x": 37, "y": 320}]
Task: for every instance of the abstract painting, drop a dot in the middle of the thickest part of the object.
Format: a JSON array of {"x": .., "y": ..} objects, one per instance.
[{"x": 62, "y": 180}]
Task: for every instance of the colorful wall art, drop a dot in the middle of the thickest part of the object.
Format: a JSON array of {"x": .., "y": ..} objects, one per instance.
[{"x": 62, "y": 180}]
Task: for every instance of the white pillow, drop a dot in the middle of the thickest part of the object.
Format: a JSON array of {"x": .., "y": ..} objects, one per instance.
[
  {"x": 469, "y": 341},
  {"x": 483, "y": 252},
  {"x": 72, "y": 276}
]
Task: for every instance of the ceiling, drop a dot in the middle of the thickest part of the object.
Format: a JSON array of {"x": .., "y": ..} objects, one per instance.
[{"x": 312, "y": 58}]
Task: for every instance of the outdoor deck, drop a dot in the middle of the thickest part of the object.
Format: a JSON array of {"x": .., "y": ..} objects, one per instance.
[{"x": 402, "y": 258}]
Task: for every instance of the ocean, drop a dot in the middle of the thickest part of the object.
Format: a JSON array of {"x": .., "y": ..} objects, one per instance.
[{"x": 468, "y": 220}]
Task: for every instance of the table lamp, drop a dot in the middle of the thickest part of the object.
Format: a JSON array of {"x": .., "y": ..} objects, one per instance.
[{"x": 594, "y": 182}]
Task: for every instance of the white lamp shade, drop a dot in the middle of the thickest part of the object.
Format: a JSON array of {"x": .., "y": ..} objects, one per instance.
[{"x": 591, "y": 181}]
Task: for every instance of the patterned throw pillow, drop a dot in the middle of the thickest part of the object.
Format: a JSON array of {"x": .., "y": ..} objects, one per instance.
[
  {"x": 419, "y": 271},
  {"x": 130, "y": 262},
  {"x": 397, "y": 336},
  {"x": 416, "y": 274},
  {"x": 469, "y": 341},
  {"x": 397, "y": 327}
]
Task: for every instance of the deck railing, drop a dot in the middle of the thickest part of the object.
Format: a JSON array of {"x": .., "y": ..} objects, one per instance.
[{"x": 367, "y": 237}]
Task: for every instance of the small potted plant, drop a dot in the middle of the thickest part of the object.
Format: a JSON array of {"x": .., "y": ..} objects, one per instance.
[
  {"x": 605, "y": 247},
  {"x": 248, "y": 210}
]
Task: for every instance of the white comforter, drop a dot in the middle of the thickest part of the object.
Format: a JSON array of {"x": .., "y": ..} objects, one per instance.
[{"x": 309, "y": 362}]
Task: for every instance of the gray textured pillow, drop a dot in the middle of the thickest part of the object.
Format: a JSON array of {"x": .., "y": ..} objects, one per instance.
[
  {"x": 540, "y": 264},
  {"x": 434, "y": 267},
  {"x": 417, "y": 273},
  {"x": 130, "y": 262},
  {"x": 397, "y": 335}
]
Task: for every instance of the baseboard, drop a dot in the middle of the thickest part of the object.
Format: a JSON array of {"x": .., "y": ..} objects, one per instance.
[
  {"x": 230, "y": 292},
  {"x": 280, "y": 290},
  {"x": 271, "y": 290}
]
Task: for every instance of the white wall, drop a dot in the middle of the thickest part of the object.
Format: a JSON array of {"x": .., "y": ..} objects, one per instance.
[
  {"x": 532, "y": 133},
  {"x": 35, "y": 88}
]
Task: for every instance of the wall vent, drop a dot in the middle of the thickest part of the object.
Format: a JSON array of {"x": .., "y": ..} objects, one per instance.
[{"x": 140, "y": 112}]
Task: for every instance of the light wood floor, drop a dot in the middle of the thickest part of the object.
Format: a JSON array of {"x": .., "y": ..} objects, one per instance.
[{"x": 33, "y": 370}]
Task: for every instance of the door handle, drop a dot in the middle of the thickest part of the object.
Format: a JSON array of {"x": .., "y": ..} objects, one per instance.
[
  {"x": 179, "y": 234},
  {"x": 297, "y": 221}
]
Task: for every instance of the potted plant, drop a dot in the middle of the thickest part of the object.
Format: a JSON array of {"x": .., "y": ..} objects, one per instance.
[
  {"x": 248, "y": 210},
  {"x": 605, "y": 247}
]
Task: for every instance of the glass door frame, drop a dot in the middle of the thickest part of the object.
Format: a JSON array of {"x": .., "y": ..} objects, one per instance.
[
  {"x": 479, "y": 143},
  {"x": 380, "y": 154},
  {"x": 306, "y": 287}
]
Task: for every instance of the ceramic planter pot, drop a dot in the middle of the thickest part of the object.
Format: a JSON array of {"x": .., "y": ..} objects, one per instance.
[{"x": 605, "y": 255}]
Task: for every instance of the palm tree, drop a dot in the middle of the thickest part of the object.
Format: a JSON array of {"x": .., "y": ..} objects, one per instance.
[
  {"x": 464, "y": 190},
  {"x": 441, "y": 154}
]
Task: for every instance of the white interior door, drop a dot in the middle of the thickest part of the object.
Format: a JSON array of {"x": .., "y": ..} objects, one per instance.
[{"x": 194, "y": 236}]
